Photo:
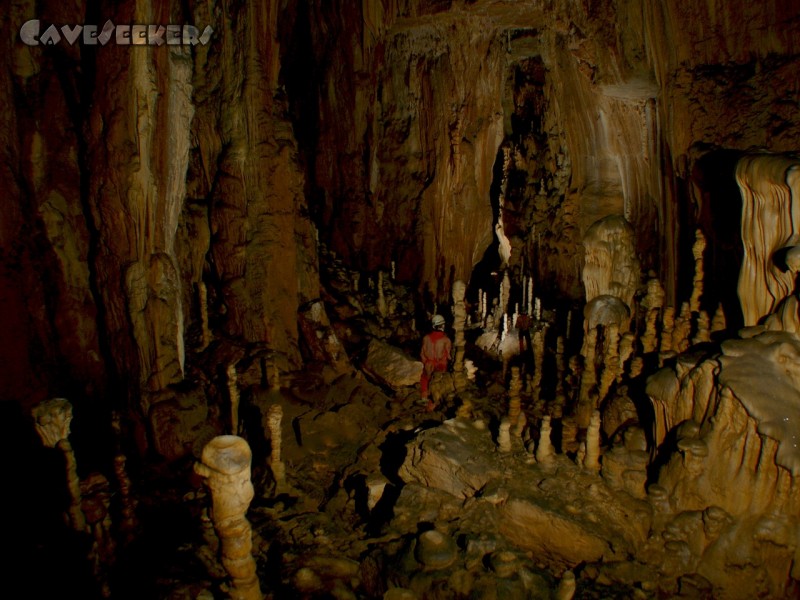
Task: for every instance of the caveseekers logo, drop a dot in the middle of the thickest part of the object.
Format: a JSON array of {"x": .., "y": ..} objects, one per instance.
[{"x": 123, "y": 35}]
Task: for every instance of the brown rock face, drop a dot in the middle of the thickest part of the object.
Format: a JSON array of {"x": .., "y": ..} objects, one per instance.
[{"x": 428, "y": 134}]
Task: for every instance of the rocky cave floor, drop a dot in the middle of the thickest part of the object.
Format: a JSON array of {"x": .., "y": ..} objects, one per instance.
[{"x": 346, "y": 525}]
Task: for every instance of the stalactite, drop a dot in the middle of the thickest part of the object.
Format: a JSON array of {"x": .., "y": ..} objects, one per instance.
[{"x": 226, "y": 467}]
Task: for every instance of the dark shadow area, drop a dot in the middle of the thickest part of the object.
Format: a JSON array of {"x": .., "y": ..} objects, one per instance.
[{"x": 714, "y": 175}]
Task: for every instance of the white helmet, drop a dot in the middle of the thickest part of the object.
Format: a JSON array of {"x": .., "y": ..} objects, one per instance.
[{"x": 437, "y": 321}]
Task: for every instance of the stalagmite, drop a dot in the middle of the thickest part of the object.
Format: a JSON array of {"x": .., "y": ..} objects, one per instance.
[
  {"x": 274, "y": 424},
  {"x": 697, "y": 290},
  {"x": 202, "y": 300},
  {"x": 587, "y": 394},
  {"x": 505, "y": 286},
  {"x": 683, "y": 326},
  {"x": 504, "y": 435},
  {"x": 382, "y": 308},
  {"x": 514, "y": 399},
  {"x": 626, "y": 348},
  {"x": 233, "y": 396},
  {"x": 530, "y": 295},
  {"x": 127, "y": 503},
  {"x": 561, "y": 367},
  {"x": 718, "y": 323},
  {"x": 566, "y": 586},
  {"x": 703, "y": 334},
  {"x": 569, "y": 435},
  {"x": 538, "y": 362},
  {"x": 459, "y": 325},
  {"x": 545, "y": 450},
  {"x": 667, "y": 328},
  {"x": 591, "y": 461},
  {"x": 52, "y": 419},
  {"x": 611, "y": 361},
  {"x": 653, "y": 302},
  {"x": 226, "y": 467},
  {"x": 637, "y": 364}
]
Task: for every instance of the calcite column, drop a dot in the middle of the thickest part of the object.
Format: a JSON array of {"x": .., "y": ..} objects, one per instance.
[
  {"x": 459, "y": 343},
  {"x": 274, "y": 424},
  {"x": 52, "y": 419},
  {"x": 226, "y": 467}
]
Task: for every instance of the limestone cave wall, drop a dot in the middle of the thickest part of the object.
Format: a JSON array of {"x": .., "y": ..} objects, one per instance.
[{"x": 157, "y": 199}]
